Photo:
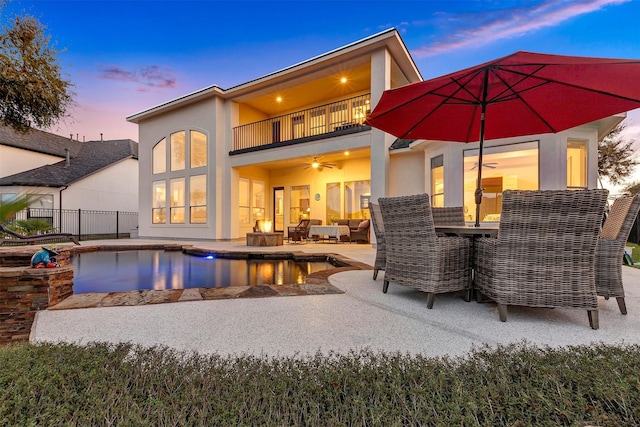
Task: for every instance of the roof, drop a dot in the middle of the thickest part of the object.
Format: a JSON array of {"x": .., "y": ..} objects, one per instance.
[
  {"x": 401, "y": 143},
  {"x": 390, "y": 39},
  {"x": 38, "y": 141},
  {"x": 90, "y": 157}
]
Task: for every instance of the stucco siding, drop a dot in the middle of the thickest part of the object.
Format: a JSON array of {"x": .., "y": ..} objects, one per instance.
[
  {"x": 15, "y": 160},
  {"x": 112, "y": 189}
]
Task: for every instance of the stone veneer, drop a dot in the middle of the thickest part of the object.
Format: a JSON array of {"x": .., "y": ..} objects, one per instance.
[{"x": 25, "y": 291}]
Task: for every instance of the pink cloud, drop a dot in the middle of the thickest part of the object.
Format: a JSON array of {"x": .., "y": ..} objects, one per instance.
[
  {"x": 516, "y": 23},
  {"x": 150, "y": 76}
]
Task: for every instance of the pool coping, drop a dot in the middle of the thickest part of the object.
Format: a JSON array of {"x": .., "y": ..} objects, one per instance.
[{"x": 316, "y": 283}]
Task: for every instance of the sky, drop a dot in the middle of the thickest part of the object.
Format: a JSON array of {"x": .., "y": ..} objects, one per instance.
[{"x": 124, "y": 57}]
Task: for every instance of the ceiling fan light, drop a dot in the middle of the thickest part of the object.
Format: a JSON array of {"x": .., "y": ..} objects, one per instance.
[{"x": 315, "y": 164}]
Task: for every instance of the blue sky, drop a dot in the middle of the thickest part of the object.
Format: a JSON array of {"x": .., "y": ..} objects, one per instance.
[{"x": 126, "y": 56}]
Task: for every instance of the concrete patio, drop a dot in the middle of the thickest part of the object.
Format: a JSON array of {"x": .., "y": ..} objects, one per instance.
[{"x": 361, "y": 317}]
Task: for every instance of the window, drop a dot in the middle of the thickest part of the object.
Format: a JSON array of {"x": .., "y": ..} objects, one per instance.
[
  {"x": 170, "y": 187},
  {"x": 359, "y": 110},
  {"x": 8, "y": 198},
  {"x": 504, "y": 167},
  {"x": 177, "y": 201},
  {"x": 299, "y": 204},
  {"x": 198, "y": 199},
  {"x": 178, "y": 148},
  {"x": 318, "y": 121},
  {"x": 159, "y": 157},
  {"x": 576, "y": 163},
  {"x": 159, "y": 203},
  {"x": 258, "y": 198},
  {"x": 244, "y": 201},
  {"x": 356, "y": 199},
  {"x": 437, "y": 181},
  {"x": 198, "y": 156},
  {"x": 337, "y": 114},
  {"x": 297, "y": 126},
  {"x": 333, "y": 202}
]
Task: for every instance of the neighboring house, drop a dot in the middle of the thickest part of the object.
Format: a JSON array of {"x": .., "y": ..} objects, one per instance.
[
  {"x": 68, "y": 174},
  {"x": 214, "y": 161}
]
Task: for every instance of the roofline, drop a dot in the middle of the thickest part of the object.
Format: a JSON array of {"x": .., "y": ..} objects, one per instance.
[{"x": 247, "y": 86}]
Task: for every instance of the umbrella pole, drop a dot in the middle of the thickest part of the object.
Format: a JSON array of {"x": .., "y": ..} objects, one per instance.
[{"x": 478, "y": 193}]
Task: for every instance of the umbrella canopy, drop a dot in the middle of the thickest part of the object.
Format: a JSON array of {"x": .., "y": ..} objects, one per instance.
[{"x": 524, "y": 93}]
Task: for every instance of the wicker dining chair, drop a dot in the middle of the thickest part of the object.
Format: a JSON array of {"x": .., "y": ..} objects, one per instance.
[
  {"x": 610, "y": 249},
  {"x": 416, "y": 257},
  {"x": 544, "y": 254},
  {"x": 449, "y": 215},
  {"x": 378, "y": 230}
]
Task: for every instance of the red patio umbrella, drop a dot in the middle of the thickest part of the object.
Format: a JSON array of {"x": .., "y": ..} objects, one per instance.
[{"x": 520, "y": 94}]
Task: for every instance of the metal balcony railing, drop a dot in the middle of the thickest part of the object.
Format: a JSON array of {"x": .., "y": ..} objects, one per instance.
[{"x": 320, "y": 120}]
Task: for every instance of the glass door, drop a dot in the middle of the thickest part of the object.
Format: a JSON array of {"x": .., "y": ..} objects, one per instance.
[{"x": 278, "y": 209}]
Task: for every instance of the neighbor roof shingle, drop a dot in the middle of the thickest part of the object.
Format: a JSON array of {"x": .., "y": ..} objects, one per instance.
[{"x": 86, "y": 158}]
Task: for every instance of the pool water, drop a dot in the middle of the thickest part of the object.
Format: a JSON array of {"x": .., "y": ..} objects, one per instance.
[{"x": 123, "y": 271}]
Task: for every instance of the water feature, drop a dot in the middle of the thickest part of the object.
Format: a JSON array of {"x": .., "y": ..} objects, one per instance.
[{"x": 121, "y": 271}]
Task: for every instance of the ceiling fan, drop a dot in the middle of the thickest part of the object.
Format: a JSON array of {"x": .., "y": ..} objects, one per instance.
[
  {"x": 316, "y": 163},
  {"x": 490, "y": 165}
]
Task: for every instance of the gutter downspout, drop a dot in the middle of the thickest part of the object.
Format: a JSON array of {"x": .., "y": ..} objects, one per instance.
[{"x": 60, "y": 205}]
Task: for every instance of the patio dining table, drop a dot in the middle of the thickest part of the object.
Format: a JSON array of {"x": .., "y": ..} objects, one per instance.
[
  {"x": 468, "y": 230},
  {"x": 473, "y": 233},
  {"x": 331, "y": 231}
]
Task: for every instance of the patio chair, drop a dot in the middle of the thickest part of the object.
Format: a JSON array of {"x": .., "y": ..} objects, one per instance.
[
  {"x": 301, "y": 231},
  {"x": 450, "y": 215},
  {"x": 378, "y": 230},
  {"x": 610, "y": 248},
  {"x": 17, "y": 238},
  {"x": 416, "y": 257},
  {"x": 544, "y": 253}
]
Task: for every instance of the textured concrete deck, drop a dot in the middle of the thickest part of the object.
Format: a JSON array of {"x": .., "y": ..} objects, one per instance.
[{"x": 361, "y": 317}]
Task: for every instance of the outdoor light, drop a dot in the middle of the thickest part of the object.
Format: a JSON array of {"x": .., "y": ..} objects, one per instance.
[
  {"x": 343, "y": 80},
  {"x": 315, "y": 164},
  {"x": 266, "y": 226},
  {"x": 279, "y": 99}
]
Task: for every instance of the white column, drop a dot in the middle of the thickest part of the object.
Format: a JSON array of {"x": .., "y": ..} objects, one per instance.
[{"x": 380, "y": 141}]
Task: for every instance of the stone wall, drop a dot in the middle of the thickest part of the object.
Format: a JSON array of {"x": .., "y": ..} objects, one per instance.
[{"x": 24, "y": 291}]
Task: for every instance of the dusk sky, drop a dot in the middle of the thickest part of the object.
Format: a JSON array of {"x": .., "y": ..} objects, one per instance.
[{"x": 124, "y": 57}]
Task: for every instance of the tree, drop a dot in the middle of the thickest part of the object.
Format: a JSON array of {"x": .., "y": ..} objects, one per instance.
[
  {"x": 33, "y": 92},
  {"x": 615, "y": 156}
]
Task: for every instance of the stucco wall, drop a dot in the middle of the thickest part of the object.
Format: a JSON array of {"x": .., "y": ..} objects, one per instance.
[
  {"x": 112, "y": 189},
  {"x": 15, "y": 160},
  {"x": 407, "y": 174},
  {"x": 200, "y": 116}
]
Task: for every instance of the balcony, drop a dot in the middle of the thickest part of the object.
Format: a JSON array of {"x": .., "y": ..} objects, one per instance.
[{"x": 345, "y": 116}]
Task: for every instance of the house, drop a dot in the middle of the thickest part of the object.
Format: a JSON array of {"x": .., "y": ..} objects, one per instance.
[
  {"x": 69, "y": 174},
  {"x": 292, "y": 145}
]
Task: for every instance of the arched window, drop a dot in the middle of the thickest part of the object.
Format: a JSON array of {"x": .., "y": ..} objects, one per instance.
[
  {"x": 182, "y": 187},
  {"x": 159, "y": 157}
]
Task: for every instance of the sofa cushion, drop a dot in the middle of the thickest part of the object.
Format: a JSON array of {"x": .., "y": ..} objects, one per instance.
[{"x": 363, "y": 224}]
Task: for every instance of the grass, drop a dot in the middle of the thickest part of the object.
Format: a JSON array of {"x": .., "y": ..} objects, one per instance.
[{"x": 124, "y": 384}]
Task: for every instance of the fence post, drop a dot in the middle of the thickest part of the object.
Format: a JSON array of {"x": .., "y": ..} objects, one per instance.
[
  {"x": 79, "y": 224},
  {"x": 117, "y": 224}
]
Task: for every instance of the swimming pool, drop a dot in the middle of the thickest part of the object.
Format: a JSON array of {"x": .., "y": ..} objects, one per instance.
[{"x": 121, "y": 271}]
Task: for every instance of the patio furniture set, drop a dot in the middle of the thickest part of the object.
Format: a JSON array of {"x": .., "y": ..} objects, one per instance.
[
  {"x": 345, "y": 230},
  {"x": 551, "y": 249}
]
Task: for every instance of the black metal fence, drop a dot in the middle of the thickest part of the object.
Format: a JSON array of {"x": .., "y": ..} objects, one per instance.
[{"x": 86, "y": 224}]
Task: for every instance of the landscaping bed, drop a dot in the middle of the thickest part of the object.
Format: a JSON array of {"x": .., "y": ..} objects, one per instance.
[{"x": 514, "y": 385}]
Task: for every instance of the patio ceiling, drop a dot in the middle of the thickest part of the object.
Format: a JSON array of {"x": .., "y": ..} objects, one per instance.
[{"x": 335, "y": 157}]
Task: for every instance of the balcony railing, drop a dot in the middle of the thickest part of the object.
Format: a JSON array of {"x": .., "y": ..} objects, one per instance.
[{"x": 324, "y": 119}]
